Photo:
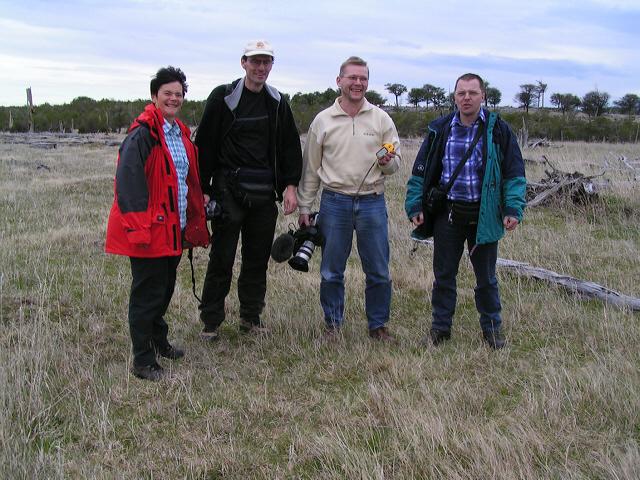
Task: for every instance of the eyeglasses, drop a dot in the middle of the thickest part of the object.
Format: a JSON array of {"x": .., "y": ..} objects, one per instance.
[
  {"x": 256, "y": 62},
  {"x": 355, "y": 78}
]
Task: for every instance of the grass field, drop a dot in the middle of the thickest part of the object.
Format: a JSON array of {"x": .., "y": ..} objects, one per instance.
[{"x": 561, "y": 401}]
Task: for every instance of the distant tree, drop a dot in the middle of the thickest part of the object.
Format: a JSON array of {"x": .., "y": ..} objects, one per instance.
[
  {"x": 430, "y": 91},
  {"x": 396, "y": 89},
  {"x": 565, "y": 102},
  {"x": 540, "y": 89},
  {"x": 439, "y": 98},
  {"x": 595, "y": 103},
  {"x": 486, "y": 86},
  {"x": 526, "y": 96},
  {"x": 416, "y": 96},
  {"x": 629, "y": 104},
  {"x": 325, "y": 98},
  {"x": 375, "y": 98},
  {"x": 493, "y": 96},
  {"x": 450, "y": 102}
]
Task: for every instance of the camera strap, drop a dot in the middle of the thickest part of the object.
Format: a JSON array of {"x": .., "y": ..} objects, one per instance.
[
  {"x": 466, "y": 156},
  {"x": 193, "y": 275}
]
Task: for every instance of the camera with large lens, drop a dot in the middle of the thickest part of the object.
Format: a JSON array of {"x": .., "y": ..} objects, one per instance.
[
  {"x": 306, "y": 239},
  {"x": 300, "y": 243},
  {"x": 212, "y": 210}
]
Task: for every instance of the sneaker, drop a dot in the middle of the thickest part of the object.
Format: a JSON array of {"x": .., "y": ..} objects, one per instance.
[
  {"x": 436, "y": 337},
  {"x": 253, "y": 328},
  {"x": 209, "y": 335},
  {"x": 382, "y": 334},
  {"x": 494, "y": 339},
  {"x": 153, "y": 372},
  {"x": 171, "y": 352}
]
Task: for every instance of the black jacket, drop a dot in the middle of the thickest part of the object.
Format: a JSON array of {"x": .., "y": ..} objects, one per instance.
[{"x": 285, "y": 154}]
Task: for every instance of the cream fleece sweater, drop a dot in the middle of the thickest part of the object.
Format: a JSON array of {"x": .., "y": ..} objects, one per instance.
[{"x": 340, "y": 149}]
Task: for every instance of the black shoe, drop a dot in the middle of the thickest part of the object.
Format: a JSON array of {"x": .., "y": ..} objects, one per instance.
[
  {"x": 438, "y": 336},
  {"x": 494, "y": 339},
  {"x": 153, "y": 372},
  {"x": 171, "y": 352}
]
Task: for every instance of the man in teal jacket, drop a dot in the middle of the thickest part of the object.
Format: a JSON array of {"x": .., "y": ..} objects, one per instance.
[{"x": 486, "y": 197}]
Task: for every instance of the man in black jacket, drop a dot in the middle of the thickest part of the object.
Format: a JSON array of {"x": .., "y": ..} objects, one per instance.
[{"x": 250, "y": 156}]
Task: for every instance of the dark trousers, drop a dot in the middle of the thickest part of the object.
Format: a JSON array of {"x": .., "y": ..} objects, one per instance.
[
  {"x": 257, "y": 225},
  {"x": 152, "y": 285},
  {"x": 448, "y": 242}
]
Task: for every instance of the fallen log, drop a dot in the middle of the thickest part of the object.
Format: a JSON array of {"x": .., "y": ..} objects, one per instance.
[
  {"x": 582, "y": 288},
  {"x": 561, "y": 185}
]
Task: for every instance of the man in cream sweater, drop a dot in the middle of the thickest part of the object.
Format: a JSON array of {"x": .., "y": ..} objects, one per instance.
[{"x": 340, "y": 156}]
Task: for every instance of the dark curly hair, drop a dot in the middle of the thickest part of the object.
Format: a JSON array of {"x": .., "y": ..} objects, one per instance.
[{"x": 168, "y": 75}]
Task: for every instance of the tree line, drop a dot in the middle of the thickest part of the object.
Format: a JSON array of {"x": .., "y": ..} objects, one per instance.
[
  {"x": 594, "y": 103},
  {"x": 86, "y": 115}
]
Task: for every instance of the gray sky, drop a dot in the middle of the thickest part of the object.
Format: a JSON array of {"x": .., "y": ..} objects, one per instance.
[{"x": 69, "y": 48}]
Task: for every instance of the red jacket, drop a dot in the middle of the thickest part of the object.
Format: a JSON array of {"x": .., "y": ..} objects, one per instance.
[{"x": 144, "y": 219}]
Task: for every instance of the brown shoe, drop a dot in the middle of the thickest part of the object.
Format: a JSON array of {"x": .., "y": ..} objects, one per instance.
[
  {"x": 382, "y": 334},
  {"x": 331, "y": 334},
  {"x": 253, "y": 328}
]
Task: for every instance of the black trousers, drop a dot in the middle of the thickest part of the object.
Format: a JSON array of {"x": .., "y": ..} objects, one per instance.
[
  {"x": 152, "y": 285},
  {"x": 257, "y": 225}
]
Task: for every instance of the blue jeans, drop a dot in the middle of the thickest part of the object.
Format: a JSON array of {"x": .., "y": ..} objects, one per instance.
[
  {"x": 339, "y": 216},
  {"x": 448, "y": 245}
]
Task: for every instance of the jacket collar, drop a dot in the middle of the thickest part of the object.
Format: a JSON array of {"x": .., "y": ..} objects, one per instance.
[
  {"x": 233, "y": 99},
  {"x": 338, "y": 111},
  {"x": 153, "y": 119}
]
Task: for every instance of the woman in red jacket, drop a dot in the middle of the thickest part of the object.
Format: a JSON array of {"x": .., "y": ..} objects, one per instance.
[{"x": 158, "y": 210}]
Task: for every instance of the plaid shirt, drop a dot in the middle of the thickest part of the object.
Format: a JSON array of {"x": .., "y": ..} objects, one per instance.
[
  {"x": 173, "y": 136},
  {"x": 467, "y": 186}
]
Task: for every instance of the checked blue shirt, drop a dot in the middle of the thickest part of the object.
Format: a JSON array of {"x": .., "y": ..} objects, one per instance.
[
  {"x": 467, "y": 187},
  {"x": 173, "y": 137}
]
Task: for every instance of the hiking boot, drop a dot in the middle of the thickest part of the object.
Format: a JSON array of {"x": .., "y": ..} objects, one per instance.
[
  {"x": 436, "y": 337},
  {"x": 248, "y": 327},
  {"x": 382, "y": 334},
  {"x": 153, "y": 372},
  {"x": 209, "y": 334},
  {"x": 495, "y": 339},
  {"x": 171, "y": 352}
]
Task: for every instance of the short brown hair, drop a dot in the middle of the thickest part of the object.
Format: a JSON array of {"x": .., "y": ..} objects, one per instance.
[
  {"x": 470, "y": 76},
  {"x": 353, "y": 61}
]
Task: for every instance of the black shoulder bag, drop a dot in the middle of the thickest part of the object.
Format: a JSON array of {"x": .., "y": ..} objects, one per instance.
[{"x": 436, "y": 198}]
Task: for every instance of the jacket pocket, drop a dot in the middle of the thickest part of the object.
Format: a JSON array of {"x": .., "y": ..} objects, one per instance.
[{"x": 160, "y": 227}]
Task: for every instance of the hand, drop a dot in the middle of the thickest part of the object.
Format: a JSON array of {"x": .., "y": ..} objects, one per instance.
[
  {"x": 290, "y": 199},
  {"x": 386, "y": 159},
  {"x": 303, "y": 219},
  {"x": 418, "y": 219},
  {"x": 510, "y": 223},
  {"x": 206, "y": 199}
]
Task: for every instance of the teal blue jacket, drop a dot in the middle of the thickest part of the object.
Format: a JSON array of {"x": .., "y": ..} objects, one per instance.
[{"x": 503, "y": 177}]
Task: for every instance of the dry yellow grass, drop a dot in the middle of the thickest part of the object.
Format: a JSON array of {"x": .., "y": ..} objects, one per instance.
[{"x": 562, "y": 401}]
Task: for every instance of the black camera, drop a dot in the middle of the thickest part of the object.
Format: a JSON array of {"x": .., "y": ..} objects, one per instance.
[
  {"x": 301, "y": 244},
  {"x": 212, "y": 210},
  {"x": 306, "y": 240},
  {"x": 435, "y": 200}
]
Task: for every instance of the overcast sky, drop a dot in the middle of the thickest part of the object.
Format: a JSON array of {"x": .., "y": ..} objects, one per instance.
[{"x": 69, "y": 48}]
